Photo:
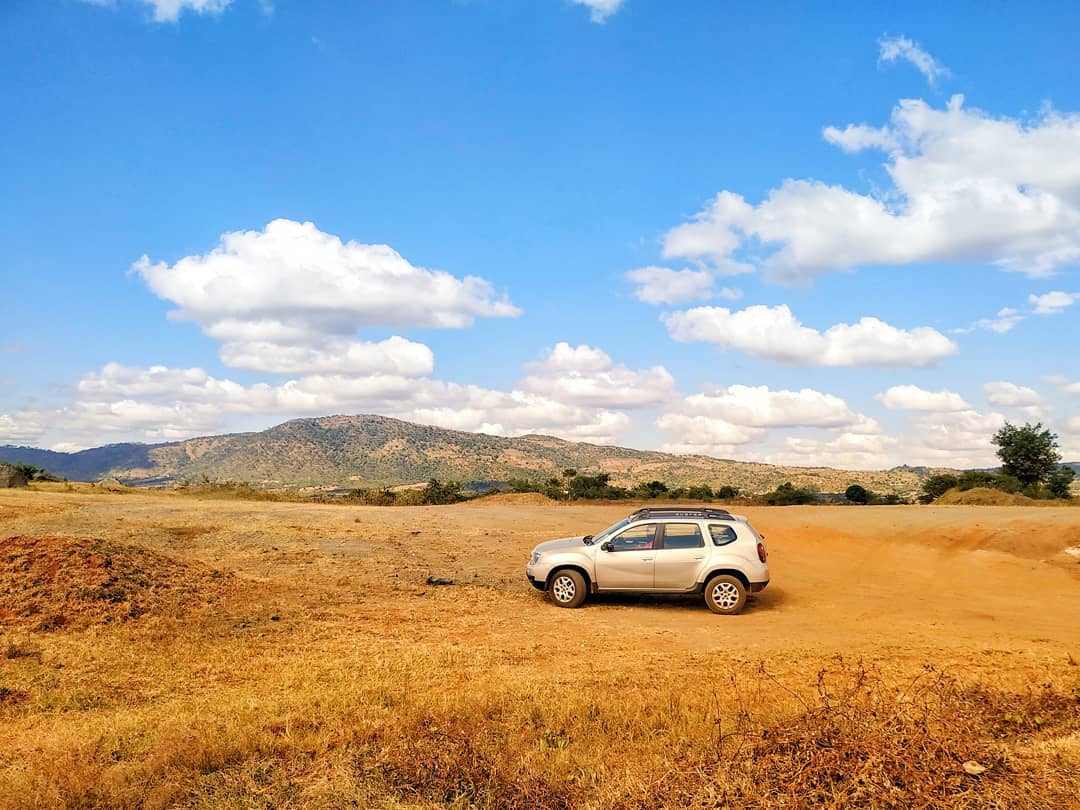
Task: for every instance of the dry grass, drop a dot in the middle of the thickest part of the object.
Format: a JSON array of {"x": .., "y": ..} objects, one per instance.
[{"x": 329, "y": 680}]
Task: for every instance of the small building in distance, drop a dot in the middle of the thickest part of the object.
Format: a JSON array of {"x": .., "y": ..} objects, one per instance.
[{"x": 11, "y": 476}]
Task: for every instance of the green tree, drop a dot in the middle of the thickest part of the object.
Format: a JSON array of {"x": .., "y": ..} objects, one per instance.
[
  {"x": 857, "y": 494},
  {"x": 787, "y": 494},
  {"x": 1059, "y": 480},
  {"x": 702, "y": 492},
  {"x": 726, "y": 492},
  {"x": 1029, "y": 453},
  {"x": 937, "y": 485}
]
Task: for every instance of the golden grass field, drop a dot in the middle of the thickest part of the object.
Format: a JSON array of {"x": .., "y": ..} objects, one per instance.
[{"x": 164, "y": 650}]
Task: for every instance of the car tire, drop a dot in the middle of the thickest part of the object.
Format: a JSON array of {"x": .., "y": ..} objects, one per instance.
[
  {"x": 725, "y": 594},
  {"x": 567, "y": 588}
]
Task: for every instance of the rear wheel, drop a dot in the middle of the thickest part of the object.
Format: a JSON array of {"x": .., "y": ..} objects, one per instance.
[
  {"x": 725, "y": 594},
  {"x": 567, "y": 588}
]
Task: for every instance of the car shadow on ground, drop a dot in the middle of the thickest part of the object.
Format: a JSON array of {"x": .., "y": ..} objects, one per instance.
[{"x": 766, "y": 600}]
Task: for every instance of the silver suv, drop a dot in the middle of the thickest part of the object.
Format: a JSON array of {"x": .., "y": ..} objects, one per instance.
[{"x": 657, "y": 550}]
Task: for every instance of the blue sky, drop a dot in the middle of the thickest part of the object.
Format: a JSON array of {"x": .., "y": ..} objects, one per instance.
[{"x": 844, "y": 237}]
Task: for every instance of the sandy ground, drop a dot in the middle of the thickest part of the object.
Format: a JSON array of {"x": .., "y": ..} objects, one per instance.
[{"x": 885, "y": 582}]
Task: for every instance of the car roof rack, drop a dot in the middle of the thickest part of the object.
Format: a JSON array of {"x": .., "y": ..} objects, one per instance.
[{"x": 681, "y": 511}]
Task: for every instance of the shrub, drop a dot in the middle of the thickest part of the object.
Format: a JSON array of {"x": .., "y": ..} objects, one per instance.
[
  {"x": 787, "y": 494},
  {"x": 1059, "y": 481},
  {"x": 857, "y": 494},
  {"x": 937, "y": 485}
]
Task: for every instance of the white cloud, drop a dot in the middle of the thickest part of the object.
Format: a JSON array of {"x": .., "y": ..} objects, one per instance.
[
  {"x": 20, "y": 428},
  {"x": 704, "y": 436},
  {"x": 573, "y": 393},
  {"x": 1053, "y": 303},
  {"x": 957, "y": 439},
  {"x": 966, "y": 187},
  {"x": 758, "y": 406},
  {"x": 599, "y": 10},
  {"x": 894, "y": 48},
  {"x": 290, "y": 299},
  {"x": 661, "y": 285},
  {"x": 913, "y": 398},
  {"x": 722, "y": 421},
  {"x": 1009, "y": 394},
  {"x": 170, "y": 10},
  {"x": 856, "y": 451},
  {"x": 774, "y": 333},
  {"x": 1006, "y": 319},
  {"x": 587, "y": 376}
]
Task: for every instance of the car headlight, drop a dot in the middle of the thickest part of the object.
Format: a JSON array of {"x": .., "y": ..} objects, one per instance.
[{"x": 535, "y": 558}]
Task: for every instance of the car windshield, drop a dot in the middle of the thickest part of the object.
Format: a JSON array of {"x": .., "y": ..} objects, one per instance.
[{"x": 606, "y": 533}]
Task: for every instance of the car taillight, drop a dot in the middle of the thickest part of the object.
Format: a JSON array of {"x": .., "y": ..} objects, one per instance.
[{"x": 762, "y": 554}]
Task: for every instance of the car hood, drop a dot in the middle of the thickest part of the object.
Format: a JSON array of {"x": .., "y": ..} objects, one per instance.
[{"x": 561, "y": 544}]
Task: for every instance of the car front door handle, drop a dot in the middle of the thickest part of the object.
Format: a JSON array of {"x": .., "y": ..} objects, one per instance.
[{"x": 646, "y": 559}]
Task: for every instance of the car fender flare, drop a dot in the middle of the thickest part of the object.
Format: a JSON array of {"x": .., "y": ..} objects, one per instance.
[
  {"x": 735, "y": 572},
  {"x": 573, "y": 566}
]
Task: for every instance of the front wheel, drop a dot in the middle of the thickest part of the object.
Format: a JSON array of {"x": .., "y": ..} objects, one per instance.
[
  {"x": 567, "y": 588},
  {"x": 725, "y": 594}
]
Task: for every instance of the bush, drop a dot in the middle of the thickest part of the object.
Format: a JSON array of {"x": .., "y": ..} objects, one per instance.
[
  {"x": 726, "y": 492},
  {"x": 937, "y": 485},
  {"x": 700, "y": 493},
  {"x": 787, "y": 494},
  {"x": 1060, "y": 481},
  {"x": 857, "y": 494}
]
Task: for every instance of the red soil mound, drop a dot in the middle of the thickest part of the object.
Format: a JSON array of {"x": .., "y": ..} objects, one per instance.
[{"x": 50, "y": 581}]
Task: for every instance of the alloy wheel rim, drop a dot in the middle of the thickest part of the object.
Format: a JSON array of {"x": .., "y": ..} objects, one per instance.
[
  {"x": 725, "y": 595},
  {"x": 564, "y": 589}
]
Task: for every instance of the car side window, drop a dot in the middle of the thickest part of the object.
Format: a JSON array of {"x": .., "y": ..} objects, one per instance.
[
  {"x": 636, "y": 538},
  {"x": 682, "y": 535},
  {"x": 722, "y": 535}
]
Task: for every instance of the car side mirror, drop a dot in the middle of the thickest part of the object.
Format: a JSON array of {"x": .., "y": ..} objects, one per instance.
[{"x": 608, "y": 546}]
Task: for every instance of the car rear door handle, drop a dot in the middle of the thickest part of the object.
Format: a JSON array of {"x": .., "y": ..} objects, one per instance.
[
  {"x": 646, "y": 559},
  {"x": 702, "y": 557}
]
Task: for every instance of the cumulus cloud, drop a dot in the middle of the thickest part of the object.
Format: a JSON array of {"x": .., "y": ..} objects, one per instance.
[
  {"x": 759, "y": 406},
  {"x": 774, "y": 333},
  {"x": 956, "y": 439},
  {"x": 599, "y": 10},
  {"x": 661, "y": 285},
  {"x": 721, "y": 421},
  {"x": 576, "y": 393},
  {"x": 290, "y": 299},
  {"x": 913, "y": 398},
  {"x": 587, "y": 376},
  {"x": 1053, "y": 303},
  {"x": 1009, "y": 394},
  {"x": 892, "y": 49},
  {"x": 857, "y": 451},
  {"x": 965, "y": 187}
]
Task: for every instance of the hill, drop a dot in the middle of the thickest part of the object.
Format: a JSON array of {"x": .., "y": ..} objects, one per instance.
[{"x": 370, "y": 451}]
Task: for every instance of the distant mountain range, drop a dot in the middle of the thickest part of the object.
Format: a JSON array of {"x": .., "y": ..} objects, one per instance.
[{"x": 375, "y": 451}]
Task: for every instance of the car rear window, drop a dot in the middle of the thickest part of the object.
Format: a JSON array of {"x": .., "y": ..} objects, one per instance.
[
  {"x": 722, "y": 534},
  {"x": 682, "y": 535}
]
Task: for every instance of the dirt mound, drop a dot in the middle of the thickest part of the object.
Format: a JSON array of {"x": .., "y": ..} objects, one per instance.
[
  {"x": 519, "y": 499},
  {"x": 983, "y": 496},
  {"x": 51, "y": 581}
]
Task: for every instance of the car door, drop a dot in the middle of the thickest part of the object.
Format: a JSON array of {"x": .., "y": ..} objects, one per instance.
[
  {"x": 679, "y": 558},
  {"x": 629, "y": 564}
]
